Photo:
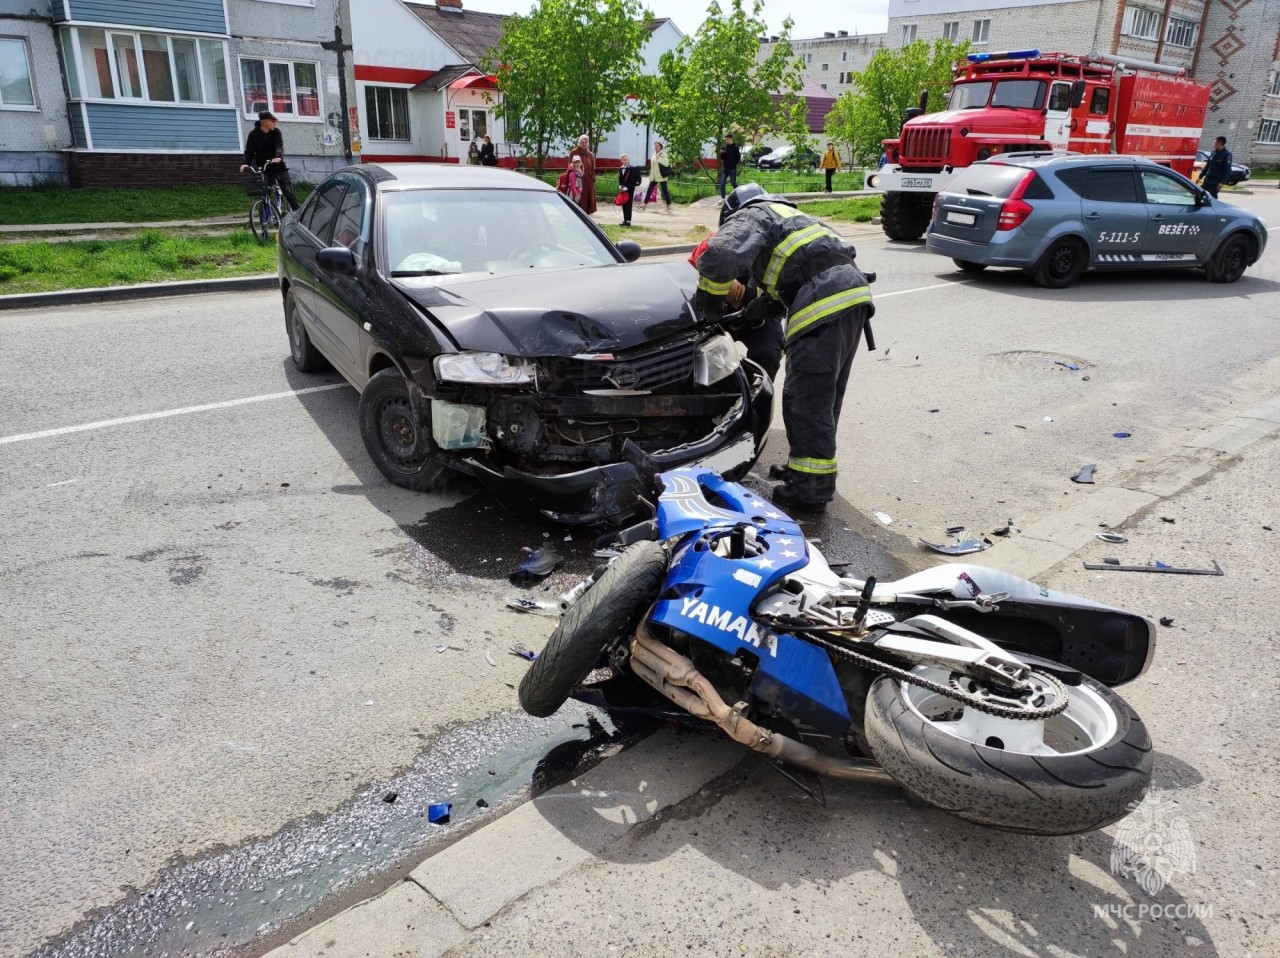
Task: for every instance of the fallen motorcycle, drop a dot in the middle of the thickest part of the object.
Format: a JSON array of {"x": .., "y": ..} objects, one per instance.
[{"x": 979, "y": 692}]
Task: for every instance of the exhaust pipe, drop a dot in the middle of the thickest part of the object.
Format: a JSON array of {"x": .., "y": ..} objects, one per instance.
[{"x": 675, "y": 677}]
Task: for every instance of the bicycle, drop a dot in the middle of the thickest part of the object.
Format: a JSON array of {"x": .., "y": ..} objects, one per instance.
[{"x": 268, "y": 207}]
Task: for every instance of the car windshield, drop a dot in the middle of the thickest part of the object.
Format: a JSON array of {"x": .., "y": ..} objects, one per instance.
[
  {"x": 1014, "y": 94},
  {"x": 437, "y": 232}
]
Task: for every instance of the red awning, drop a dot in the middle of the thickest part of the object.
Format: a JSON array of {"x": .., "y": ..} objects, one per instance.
[{"x": 475, "y": 82}]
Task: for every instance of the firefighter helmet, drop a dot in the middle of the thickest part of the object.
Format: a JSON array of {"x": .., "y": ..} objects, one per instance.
[{"x": 743, "y": 196}]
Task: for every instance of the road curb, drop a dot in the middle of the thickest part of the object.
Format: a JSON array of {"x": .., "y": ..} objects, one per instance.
[
  {"x": 117, "y": 294},
  {"x": 464, "y": 886}
]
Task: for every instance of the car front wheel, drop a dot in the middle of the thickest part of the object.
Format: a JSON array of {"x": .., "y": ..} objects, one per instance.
[
  {"x": 1228, "y": 264},
  {"x": 398, "y": 440},
  {"x": 1061, "y": 264}
]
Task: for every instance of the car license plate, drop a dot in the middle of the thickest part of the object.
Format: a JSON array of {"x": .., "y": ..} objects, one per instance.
[{"x": 965, "y": 219}]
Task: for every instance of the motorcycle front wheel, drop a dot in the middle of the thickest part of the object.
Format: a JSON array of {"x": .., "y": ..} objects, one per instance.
[
  {"x": 1079, "y": 770},
  {"x": 605, "y": 615}
]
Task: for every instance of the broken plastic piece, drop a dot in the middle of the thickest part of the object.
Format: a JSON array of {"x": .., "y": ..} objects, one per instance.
[
  {"x": 537, "y": 564},
  {"x": 1122, "y": 435},
  {"x": 520, "y": 652},
  {"x": 1157, "y": 567},
  {"x": 489, "y": 658},
  {"x": 1114, "y": 538},
  {"x": 1085, "y": 475},
  {"x": 962, "y": 548},
  {"x": 1003, "y": 530},
  {"x": 884, "y": 517},
  {"x": 1111, "y": 561},
  {"x": 1048, "y": 419},
  {"x": 521, "y": 604},
  {"x": 441, "y": 648},
  {"x": 438, "y": 814},
  {"x": 1072, "y": 366},
  {"x": 1166, "y": 621},
  {"x": 1162, "y": 565},
  {"x": 954, "y": 530}
]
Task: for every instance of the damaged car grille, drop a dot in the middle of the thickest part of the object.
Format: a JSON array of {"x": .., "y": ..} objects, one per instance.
[{"x": 643, "y": 369}]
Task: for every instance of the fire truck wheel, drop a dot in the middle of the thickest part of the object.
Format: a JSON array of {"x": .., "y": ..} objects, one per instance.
[
  {"x": 1061, "y": 264},
  {"x": 905, "y": 216},
  {"x": 968, "y": 266}
]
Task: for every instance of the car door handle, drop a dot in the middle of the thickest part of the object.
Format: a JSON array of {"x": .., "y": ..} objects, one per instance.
[
  {"x": 1157, "y": 216},
  {"x": 1094, "y": 217}
]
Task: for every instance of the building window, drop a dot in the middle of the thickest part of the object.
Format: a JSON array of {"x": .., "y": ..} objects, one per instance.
[
  {"x": 908, "y": 33},
  {"x": 808, "y": 59},
  {"x": 387, "y": 112},
  {"x": 16, "y": 91},
  {"x": 951, "y": 31},
  {"x": 981, "y": 31},
  {"x": 1142, "y": 23},
  {"x": 823, "y": 67},
  {"x": 823, "y": 85},
  {"x": 285, "y": 87},
  {"x": 844, "y": 56},
  {"x": 1180, "y": 33},
  {"x": 1273, "y": 83},
  {"x": 1269, "y": 131},
  {"x": 150, "y": 67}
]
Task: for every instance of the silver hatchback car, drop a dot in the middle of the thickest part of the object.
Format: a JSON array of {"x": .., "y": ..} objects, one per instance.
[{"x": 1056, "y": 216}]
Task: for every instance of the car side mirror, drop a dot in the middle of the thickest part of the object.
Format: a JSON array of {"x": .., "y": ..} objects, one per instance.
[
  {"x": 338, "y": 259},
  {"x": 1077, "y": 93},
  {"x": 1202, "y": 198},
  {"x": 630, "y": 250}
]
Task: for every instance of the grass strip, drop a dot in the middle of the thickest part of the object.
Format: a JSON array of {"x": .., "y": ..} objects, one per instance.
[
  {"x": 150, "y": 257},
  {"x": 57, "y": 204},
  {"x": 856, "y": 209}
]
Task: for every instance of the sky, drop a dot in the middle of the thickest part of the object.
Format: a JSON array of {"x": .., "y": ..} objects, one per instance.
[{"x": 812, "y": 17}]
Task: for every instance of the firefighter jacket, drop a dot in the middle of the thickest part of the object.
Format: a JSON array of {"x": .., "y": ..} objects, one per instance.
[{"x": 788, "y": 255}]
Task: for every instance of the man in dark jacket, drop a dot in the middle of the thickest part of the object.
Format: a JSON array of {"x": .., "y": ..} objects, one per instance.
[
  {"x": 730, "y": 157},
  {"x": 1217, "y": 168},
  {"x": 804, "y": 266},
  {"x": 264, "y": 148}
]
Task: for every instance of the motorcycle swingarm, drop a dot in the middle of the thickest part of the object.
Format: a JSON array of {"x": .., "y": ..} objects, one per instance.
[{"x": 960, "y": 651}]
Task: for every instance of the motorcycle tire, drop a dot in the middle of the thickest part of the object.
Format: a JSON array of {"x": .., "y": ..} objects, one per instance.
[
  {"x": 1091, "y": 766},
  {"x": 605, "y": 615}
]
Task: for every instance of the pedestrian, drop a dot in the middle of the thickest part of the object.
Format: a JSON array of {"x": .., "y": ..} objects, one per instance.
[
  {"x": 658, "y": 173},
  {"x": 572, "y": 180},
  {"x": 628, "y": 182},
  {"x": 730, "y": 157},
  {"x": 830, "y": 163},
  {"x": 488, "y": 155},
  {"x": 583, "y": 152},
  {"x": 264, "y": 149},
  {"x": 1217, "y": 168},
  {"x": 808, "y": 269},
  {"x": 473, "y": 154}
]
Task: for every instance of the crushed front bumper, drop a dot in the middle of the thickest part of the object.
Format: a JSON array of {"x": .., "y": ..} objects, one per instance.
[{"x": 613, "y": 494}]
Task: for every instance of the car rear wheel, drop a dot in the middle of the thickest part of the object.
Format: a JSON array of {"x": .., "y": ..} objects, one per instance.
[
  {"x": 968, "y": 266},
  {"x": 1061, "y": 264},
  {"x": 398, "y": 440},
  {"x": 1228, "y": 264},
  {"x": 305, "y": 355}
]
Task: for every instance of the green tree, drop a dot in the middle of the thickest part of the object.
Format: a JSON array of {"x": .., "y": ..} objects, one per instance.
[
  {"x": 712, "y": 84},
  {"x": 566, "y": 69},
  {"x": 794, "y": 128},
  {"x": 876, "y": 106}
]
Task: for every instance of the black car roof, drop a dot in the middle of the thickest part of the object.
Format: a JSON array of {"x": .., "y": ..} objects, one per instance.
[{"x": 417, "y": 176}]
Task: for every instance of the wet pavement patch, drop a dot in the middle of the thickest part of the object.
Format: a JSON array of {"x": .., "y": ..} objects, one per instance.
[{"x": 220, "y": 903}]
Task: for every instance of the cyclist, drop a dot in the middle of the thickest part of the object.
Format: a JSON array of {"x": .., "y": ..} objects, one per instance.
[{"x": 264, "y": 149}]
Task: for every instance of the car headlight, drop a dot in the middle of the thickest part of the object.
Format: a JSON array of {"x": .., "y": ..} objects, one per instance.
[
  {"x": 489, "y": 369},
  {"x": 717, "y": 358}
]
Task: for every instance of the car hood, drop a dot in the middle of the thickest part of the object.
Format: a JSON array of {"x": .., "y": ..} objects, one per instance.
[{"x": 559, "y": 312}]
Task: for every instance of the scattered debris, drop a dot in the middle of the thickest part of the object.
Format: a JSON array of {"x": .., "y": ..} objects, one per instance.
[
  {"x": 1111, "y": 561},
  {"x": 1074, "y": 367},
  {"x": 481, "y": 803},
  {"x": 521, "y": 604},
  {"x": 1267, "y": 528},
  {"x": 1084, "y": 379},
  {"x": 933, "y": 410},
  {"x": 537, "y": 563},
  {"x": 1016, "y": 426},
  {"x": 438, "y": 814},
  {"x": 961, "y": 548},
  {"x": 1168, "y": 520},
  {"x": 441, "y": 648},
  {"x": 1122, "y": 435},
  {"x": 390, "y": 797},
  {"x": 884, "y": 517},
  {"x": 489, "y": 658},
  {"x": 1114, "y": 538},
  {"x": 1005, "y": 529},
  {"x": 568, "y": 538},
  {"x": 1085, "y": 475},
  {"x": 520, "y": 652},
  {"x": 1155, "y": 567},
  {"x": 1048, "y": 419},
  {"x": 1165, "y": 620},
  {"x": 955, "y": 530}
]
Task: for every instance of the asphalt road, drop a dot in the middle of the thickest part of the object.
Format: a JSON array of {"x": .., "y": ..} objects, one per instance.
[{"x": 216, "y": 622}]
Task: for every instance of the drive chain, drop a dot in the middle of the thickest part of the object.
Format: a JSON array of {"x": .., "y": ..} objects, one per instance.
[{"x": 973, "y": 701}]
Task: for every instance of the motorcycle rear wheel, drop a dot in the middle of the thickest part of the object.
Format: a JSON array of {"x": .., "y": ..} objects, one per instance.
[
  {"x": 1078, "y": 771},
  {"x": 604, "y": 616}
]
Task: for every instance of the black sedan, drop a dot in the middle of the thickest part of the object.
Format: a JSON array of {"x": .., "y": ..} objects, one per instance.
[
  {"x": 492, "y": 329},
  {"x": 785, "y": 157}
]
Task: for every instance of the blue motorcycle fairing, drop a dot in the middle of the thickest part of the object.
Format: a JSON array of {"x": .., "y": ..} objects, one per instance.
[{"x": 710, "y": 597}]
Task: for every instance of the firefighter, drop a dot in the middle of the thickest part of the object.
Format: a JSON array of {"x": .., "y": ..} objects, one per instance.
[{"x": 805, "y": 267}]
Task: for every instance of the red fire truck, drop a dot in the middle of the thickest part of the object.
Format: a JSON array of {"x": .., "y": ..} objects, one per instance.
[{"x": 1022, "y": 101}]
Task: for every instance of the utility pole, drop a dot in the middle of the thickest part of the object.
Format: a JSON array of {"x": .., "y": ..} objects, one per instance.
[{"x": 337, "y": 46}]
